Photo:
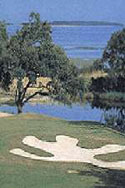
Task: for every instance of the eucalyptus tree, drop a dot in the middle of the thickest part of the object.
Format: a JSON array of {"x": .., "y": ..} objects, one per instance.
[{"x": 31, "y": 53}]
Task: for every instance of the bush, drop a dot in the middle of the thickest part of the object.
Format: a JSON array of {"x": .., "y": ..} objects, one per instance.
[{"x": 107, "y": 84}]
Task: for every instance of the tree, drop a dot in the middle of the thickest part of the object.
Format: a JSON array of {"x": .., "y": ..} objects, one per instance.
[
  {"x": 3, "y": 37},
  {"x": 3, "y": 53},
  {"x": 114, "y": 55},
  {"x": 97, "y": 65},
  {"x": 113, "y": 62},
  {"x": 31, "y": 53}
]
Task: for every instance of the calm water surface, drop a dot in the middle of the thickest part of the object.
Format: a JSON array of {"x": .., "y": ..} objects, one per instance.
[
  {"x": 86, "y": 42},
  {"x": 88, "y": 111},
  {"x": 83, "y": 41},
  {"x": 112, "y": 116},
  {"x": 76, "y": 112}
]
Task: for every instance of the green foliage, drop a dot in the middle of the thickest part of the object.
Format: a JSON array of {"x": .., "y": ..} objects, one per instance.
[
  {"x": 3, "y": 37},
  {"x": 114, "y": 54},
  {"x": 113, "y": 61},
  {"x": 3, "y": 33},
  {"x": 107, "y": 84},
  {"x": 113, "y": 96},
  {"x": 31, "y": 53},
  {"x": 97, "y": 65},
  {"x": 3, "y": 53}
]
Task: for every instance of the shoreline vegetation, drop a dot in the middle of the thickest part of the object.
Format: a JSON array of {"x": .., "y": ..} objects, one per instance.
[
  {"x": 114, "y": 98},
  {"x": 85, "y": 66}
]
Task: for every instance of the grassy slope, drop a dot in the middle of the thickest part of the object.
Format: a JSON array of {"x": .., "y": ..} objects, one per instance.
[{"x": 18, "y": 172}]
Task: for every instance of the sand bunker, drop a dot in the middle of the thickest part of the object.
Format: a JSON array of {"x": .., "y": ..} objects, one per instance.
[
  {"x": 66, "y": 150},
  {"x": 2, "y": 114}
]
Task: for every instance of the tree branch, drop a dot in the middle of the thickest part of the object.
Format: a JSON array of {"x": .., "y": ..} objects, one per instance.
[{"x": 36, "y": 93}]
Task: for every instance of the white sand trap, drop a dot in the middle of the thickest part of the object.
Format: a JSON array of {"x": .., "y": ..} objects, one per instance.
[
  {"x": 66, "y": 150},
  {"x": 2, "y": 114}
]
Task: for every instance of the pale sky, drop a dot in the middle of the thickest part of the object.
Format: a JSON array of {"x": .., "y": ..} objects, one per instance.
[{"x": 17, "y": 11}]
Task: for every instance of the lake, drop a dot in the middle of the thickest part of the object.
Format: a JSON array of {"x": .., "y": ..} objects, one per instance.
[
  {"x": 75, "y": 113},
  {"x": 86, "y": 42},
  {"x": 111, "y": 114}
]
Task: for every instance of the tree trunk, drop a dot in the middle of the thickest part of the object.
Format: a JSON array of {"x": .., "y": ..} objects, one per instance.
[{"x": 19, "y": 108}]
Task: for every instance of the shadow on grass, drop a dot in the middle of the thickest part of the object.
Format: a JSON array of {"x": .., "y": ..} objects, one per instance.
[
  {"x": 85, "y": 123},
  {"x": 94, "y": 124},
  {"x": 109, "y": 178}
]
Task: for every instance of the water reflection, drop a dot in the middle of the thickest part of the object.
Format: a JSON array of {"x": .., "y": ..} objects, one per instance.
[{"x": 113, "y": 114}]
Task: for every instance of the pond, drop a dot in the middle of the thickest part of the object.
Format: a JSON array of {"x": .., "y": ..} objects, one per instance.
[{"x": 111, "y": 114}]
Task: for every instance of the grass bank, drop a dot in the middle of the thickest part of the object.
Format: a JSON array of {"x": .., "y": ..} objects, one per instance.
[
  {"x": 18, "y": 172},
  {"x": 111, "y": 96}
]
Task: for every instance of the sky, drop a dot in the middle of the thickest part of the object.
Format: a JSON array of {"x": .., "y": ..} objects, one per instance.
[{"x": 17, "y": 11}]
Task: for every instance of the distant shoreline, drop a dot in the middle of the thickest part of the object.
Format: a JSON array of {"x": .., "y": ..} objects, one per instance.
[
  {"x": 76, "y": 23},
  {"x": 83, "y": 23}
]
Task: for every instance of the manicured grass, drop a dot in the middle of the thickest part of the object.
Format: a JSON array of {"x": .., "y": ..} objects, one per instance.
[
  {"x": 18, "y": 172},
  {"x": 120, "y": 156}
]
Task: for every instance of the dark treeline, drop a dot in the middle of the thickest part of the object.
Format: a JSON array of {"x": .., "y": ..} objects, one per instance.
[{"x": 107, "y": 84}]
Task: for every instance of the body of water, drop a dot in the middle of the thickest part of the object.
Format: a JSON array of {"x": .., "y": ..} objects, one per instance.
[
  {"x": 93, "y": 111},
  {"x": 86, "y": 42},
  {"x": 110, "y": 115},
  {"x": 75, "y": 113}
]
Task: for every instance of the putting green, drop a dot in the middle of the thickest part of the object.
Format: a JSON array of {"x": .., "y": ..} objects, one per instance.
[{"x": 20, "y": 172}]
